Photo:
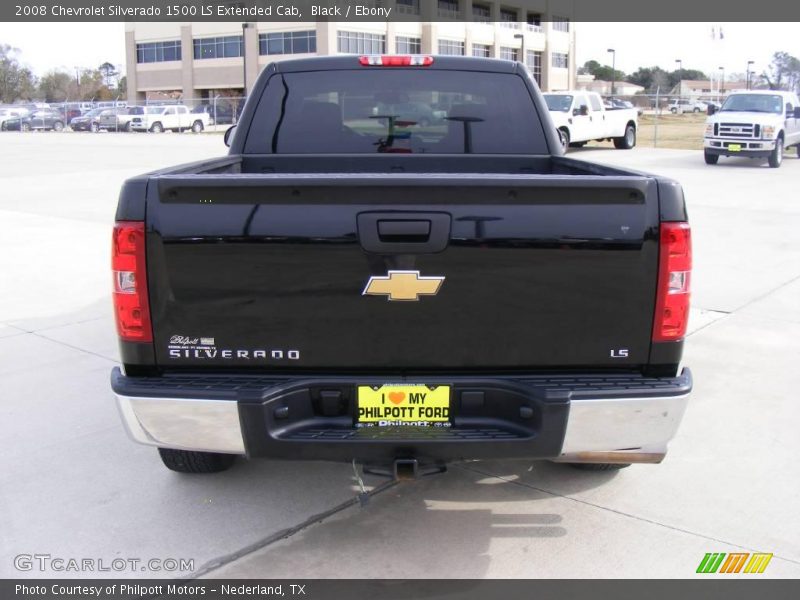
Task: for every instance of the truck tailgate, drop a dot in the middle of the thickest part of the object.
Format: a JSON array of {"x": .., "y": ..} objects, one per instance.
[{"x": 267, "y": 272}]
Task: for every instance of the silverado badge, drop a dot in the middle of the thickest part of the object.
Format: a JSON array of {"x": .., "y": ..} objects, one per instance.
[{"x": 402, "y": 285}]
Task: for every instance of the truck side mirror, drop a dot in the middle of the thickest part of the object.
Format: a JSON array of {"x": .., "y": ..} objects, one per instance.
[
  {"x": 584, "y": 110},
  {"x": 797, "y": 112},
  {"x": 711, "y": 109},
  {"x": 228, "y": 135}
]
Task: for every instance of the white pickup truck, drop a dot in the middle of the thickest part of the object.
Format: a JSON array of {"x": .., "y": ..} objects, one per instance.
[
  {"x": 580, "y": 117},
  {"x": 755, "y": 124},
  {"x": 174, "y": 117}
]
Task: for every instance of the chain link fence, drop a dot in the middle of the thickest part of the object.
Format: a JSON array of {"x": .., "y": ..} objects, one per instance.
[
  {"x": 664, "y": 120},
  {"x": 153, "y": 115}
]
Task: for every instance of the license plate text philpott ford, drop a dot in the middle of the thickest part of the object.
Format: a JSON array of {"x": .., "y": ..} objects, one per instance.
[{"x": 414, "y": 404}]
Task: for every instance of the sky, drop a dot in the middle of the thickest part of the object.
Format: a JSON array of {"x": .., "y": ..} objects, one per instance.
[{"x": 46, "y": 46}]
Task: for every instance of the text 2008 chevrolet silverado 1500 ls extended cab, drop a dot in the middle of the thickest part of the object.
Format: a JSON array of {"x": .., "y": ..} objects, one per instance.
[{"x": 349, "y": 284}]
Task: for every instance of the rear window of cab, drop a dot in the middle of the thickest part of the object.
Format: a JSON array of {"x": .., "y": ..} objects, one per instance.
[{"x": 419, "y": 111}]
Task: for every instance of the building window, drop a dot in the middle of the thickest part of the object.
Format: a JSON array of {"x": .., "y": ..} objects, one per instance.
[
  {"x": 158, "y": 51},
  {"x": 408, "y": 45},
  {"x": 356, "y": 42},
  {"x": 508, "y": 14},
  {"x": 481, "y": 50},
  {"x": 481, "y": 13},
  {"x": 448, "y": 9},
  {"x": 560, "y": 24},
  {"x": 560, "y": 60},
  {"x": 229, "y": 46},
  {"x": 451, "y": 47},
  {"x": 408, "y": 7},
  {"x": 288, "y": 42},
  {"x": 507, "y": 53},
  {"x": 533, "y": 60},
  {"x": 534, "y": 23}
]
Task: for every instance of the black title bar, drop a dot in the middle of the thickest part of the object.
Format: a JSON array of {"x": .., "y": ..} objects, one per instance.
[
  {"x": 710, "y": 588},
  {"x": 391, "y": 10}
]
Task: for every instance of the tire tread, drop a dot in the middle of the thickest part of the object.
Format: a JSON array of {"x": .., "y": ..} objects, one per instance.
[{"x": 187, "y": 461}]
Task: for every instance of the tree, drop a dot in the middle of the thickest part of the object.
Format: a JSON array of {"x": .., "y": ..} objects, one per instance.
[
  {"x": 588, "y": 67},
  {"x": 651, "y": 79},
  {"x": 679, "y": 75},
  {"x": 601, "y": 72},
  {"x": 783, "y": 72},
  {"x": 109, "y": 73},
  {"x": 122, "y": 86},
  {"x": 16, "y": 82},
  {"x": 57, "y": 86}
]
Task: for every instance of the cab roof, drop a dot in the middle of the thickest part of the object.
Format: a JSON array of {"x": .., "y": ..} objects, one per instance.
[{"x": 343, "y": 62}]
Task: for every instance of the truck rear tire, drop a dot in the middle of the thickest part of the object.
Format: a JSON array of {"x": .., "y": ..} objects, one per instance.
[
  {"x": 197, "y": 127},
  {"x": 564, "y": 135},
  {"x": 186, "y": 461},
  {"x": 711, "y": 159},
  {"x": 776, "y": 158},
  {"x": 627, "y": 141},
  {"x": 599, "y": 466}
]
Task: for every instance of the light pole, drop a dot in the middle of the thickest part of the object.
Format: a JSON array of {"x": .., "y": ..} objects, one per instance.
[
  {"x": 749, "y": 62},
  {"x": 721, "y": 84},
  {"x": 78, "y": 81},
  {"x": 521, "y": 37},
  {"x": 245, "y": 27},
  {"x": 679, "y": 62},
  {"x": 613, "y": 70}
]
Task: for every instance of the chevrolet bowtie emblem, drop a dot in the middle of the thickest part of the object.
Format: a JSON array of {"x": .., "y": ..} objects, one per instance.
[{"x": 402, "y": 285}]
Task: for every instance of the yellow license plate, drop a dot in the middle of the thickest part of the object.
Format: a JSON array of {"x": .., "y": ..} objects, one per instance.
[
  {"x": 734, "y": 147},
  {"x": 407, "y": 404}
]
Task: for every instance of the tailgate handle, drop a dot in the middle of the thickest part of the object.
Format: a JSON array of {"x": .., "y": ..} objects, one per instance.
[
  {"x": 404, "y": 231},
  {"x": 399, "y": 232}
]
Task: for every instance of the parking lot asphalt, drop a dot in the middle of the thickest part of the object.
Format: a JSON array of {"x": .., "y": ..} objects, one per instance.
[{"x": 73, "y": 486}]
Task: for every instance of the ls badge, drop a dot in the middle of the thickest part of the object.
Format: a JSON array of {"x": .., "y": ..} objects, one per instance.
[{"x": 403, "y": 285}]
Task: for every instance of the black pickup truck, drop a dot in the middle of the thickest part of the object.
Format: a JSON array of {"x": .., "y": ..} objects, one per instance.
[{"x": 395, "y": 264}]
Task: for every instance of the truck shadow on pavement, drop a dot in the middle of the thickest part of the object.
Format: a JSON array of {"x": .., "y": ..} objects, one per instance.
[{"x": 448, "y": 525}]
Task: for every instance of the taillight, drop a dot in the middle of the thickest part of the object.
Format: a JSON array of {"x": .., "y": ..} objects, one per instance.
[
  {"x": 408, "y": 60},
  {"x": 131, "y": 307},
  {"x": 674, "y": 278}
]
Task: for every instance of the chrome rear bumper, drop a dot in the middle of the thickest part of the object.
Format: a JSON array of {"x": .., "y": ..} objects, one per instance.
[{"x": 625, "y": 428}]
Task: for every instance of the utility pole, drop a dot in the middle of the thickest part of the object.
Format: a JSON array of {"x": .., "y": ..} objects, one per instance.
[
  {"x": 521, "y": 37},
  {"x": 245, "y": 27},
  {"x": 613, "y": 71},
  {"x": 749, "y": 62},
  {"x": 679, "y": 62}
]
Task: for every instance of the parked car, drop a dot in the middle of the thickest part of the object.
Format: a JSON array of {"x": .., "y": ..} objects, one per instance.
[
  {"x": 10, "y": 114},
  {"x": 45, "y": 119},
  {"x": 755, "y": 124},
  {"x": 221, "y": 114},
  {"x": 580, "y": 117},
  {"x": 115, "y": 119},
  {"x": 613, "y": 103},
  {"x": 333, "y": 292},
  {"x": 173, "y": 117},
  {"x": 87, "y": 122},
  {"x": 683, "y": 105},
  {"x": 111, "y": 104}
]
